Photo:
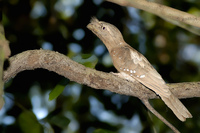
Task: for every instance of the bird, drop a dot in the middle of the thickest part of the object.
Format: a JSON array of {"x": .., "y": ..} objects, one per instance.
[{"x": 132, "y": 65}]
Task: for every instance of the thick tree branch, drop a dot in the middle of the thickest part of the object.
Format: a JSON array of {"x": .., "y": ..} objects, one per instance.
[
  {"x": 161, "y": 10},
  {"x": 62, "y": 65}
]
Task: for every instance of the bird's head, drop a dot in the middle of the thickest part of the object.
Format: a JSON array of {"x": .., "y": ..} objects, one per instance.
[{"x": 108, "y": 33}]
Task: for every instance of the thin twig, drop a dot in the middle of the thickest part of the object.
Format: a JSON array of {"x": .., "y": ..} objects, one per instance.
[{"x": 148, "y": 105}]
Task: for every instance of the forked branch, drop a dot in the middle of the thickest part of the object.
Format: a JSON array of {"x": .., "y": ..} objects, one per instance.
[{"x": 64, "y": 66}]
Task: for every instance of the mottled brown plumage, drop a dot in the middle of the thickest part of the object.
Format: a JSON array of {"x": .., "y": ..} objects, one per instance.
[{"x": 134, "y": 66}]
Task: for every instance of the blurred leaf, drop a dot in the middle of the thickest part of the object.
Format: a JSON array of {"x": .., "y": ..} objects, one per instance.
[
  {"x": 87, "y": 60},
  {"x": 28, "y": 123},
  {"x": 102, "y": 131},
  {"x": 58, "y": 89},
  {"x": 59, "y": 120},
  {"x": 194, "y": 11}
]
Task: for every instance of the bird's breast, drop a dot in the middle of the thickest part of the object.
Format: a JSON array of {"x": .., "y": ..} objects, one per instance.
[{"x": 121, "y": 58}]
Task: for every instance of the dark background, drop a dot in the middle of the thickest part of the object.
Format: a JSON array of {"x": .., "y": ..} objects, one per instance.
[{"x": 60, "y": 25}]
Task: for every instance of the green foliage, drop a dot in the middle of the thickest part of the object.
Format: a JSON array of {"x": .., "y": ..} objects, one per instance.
[
  {"x": 160, "y": 41},
  {"x": 87, "y": 60},
  {"x": 28, "y": 123},
  {"x": 59, "y": 120},
  {"x": 58, "y": 89},
  {"x": 102, "y": 131}
]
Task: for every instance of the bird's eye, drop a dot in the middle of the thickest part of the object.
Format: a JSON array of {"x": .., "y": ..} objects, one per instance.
[{"x": 102, "y": 26}]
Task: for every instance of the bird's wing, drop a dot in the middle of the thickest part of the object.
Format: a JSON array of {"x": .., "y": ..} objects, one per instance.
[{"x": 138, "y": 67}]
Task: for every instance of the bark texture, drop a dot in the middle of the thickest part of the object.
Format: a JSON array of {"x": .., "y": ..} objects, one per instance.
[{"x": 62, "y": 65}]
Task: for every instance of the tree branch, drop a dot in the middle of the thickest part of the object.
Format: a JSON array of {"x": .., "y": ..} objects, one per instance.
[
  {"x": 148, "y": 105},
  {"x": 161, "y": 10},
  {"x": 62, "y": 65}
]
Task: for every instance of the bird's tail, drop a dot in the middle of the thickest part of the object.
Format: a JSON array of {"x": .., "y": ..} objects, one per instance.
[{"x": 177, "y": 107}]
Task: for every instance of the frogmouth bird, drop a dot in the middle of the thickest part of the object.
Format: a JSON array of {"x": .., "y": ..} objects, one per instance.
[{"x": 134, "y": 66}]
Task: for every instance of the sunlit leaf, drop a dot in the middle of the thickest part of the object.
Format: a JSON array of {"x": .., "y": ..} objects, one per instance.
[
  {"x": 87, "y": 60},
  {"x": 28, "y": 123},
  {"x": 102, "y": 131},
  {"x": 58, "y": 89}
]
